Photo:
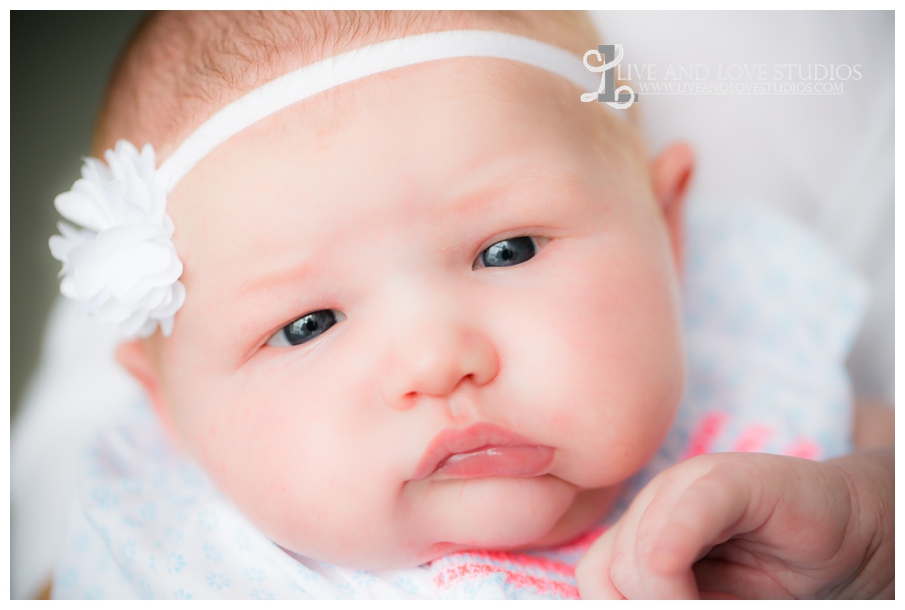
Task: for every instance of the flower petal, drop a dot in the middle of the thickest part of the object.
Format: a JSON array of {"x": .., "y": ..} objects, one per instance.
[
  {"x": 80, "y": 205},
  {"x": 178, "y": 300},
  {"x": 117, "y": 258},
  {"x": 123, "y": 267}
]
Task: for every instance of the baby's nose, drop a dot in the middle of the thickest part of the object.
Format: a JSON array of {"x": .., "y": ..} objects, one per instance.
[{"x": 434, "y": 357}]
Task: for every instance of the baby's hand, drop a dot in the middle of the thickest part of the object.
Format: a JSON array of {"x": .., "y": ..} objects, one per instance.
[{"x": 752, "y": 526}]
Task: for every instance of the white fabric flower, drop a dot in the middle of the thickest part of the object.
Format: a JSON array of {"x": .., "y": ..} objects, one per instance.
[{"x": 122, "y": 267}]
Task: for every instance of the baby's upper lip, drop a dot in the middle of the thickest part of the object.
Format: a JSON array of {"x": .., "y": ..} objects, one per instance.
[{"x": 464, "y": 440}]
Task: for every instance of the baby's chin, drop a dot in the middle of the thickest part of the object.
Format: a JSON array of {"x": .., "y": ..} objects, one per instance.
[
  {"x": 497, "y": 512},
  {"x": 489, "y": 513}
]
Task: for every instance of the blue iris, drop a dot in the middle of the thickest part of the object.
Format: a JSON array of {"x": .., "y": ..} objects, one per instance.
[
  {"x": 508, "y": 252},
  {"x": 309, "y": 326}
]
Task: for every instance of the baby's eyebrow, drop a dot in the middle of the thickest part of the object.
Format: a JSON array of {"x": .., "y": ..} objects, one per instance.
[{"x": 283, "y": 275}]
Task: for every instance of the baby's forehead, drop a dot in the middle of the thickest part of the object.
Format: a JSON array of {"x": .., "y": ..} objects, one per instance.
[
  {"x": 466, "y": 107},
  {"x": 430, "y": 88}
]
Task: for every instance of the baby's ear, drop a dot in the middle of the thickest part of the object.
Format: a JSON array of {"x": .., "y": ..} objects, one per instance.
[
  {"x": 671, "y": 173},
  {"x": 138, "y": 357}
]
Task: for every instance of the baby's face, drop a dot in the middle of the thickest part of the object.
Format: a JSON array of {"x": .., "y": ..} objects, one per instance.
[{"x": 493, "y": 329}]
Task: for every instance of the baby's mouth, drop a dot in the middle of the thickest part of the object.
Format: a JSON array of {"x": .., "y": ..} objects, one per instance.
[
  {"x": 482, "y": 450},
  {"x": 496, "y": 461}
]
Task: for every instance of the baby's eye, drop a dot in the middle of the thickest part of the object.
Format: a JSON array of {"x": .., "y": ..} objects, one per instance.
[
  {"x": 512, "y": 251},
  {"x": 304, "y": 329}
]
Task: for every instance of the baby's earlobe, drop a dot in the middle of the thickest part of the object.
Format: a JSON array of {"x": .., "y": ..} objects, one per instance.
[
  {"x": 136, "y": 357},
  {"x": 133, "y": 357}
]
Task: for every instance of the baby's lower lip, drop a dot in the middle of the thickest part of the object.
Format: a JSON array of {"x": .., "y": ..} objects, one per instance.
[{"x": 496, "y": 461}]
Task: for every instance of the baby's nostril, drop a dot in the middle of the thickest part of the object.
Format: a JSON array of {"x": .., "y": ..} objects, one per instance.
[{"x": 407, "y": 401}]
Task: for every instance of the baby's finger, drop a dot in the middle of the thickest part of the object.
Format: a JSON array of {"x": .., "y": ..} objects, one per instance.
[
  {"x": 592, "y": 574},
  {"x": 704, "y": 515}
]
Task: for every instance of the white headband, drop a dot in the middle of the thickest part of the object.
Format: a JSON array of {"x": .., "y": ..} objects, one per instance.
[{"x": 123, "y": 266}]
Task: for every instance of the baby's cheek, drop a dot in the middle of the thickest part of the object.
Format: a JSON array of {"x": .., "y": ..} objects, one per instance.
[
  {"x": 622, "y": 356},
  {"x": 296, "y": 462}
]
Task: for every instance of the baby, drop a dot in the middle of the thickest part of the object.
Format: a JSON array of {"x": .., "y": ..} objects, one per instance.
[{"x": 436, "y": 309}]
